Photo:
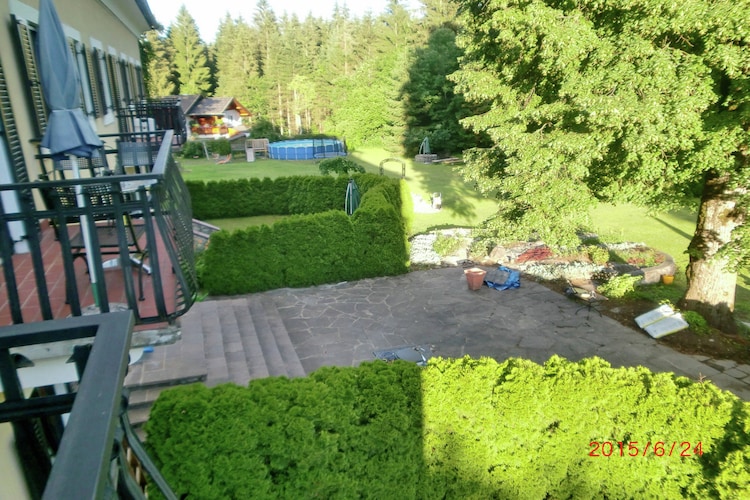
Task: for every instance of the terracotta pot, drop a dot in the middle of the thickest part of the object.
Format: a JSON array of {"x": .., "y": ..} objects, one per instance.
[
  {"x": 667, "y": 279},
  {"x": 475, "y": 277}
]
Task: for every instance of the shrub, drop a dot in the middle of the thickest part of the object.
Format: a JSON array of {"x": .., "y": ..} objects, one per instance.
[
  {"x": 598, "y": 255},
  {"x": 445, "y": 245},
  {"x": 219, "y": 146},
  {"x": 340, "y": 166},
  {"x": 192, "y": 149},
  {"x": 619, "y": 286},
  {"x": 697, "y": 322},
  {"x": 464, "y": 428},
  {"x": 323, "y": 246}
]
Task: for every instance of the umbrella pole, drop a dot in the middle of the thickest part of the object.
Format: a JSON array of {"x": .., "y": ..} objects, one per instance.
[{"x": 86, "y": 233}]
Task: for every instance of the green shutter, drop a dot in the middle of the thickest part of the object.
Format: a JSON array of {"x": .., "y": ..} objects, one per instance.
[
  {"x": 11, "y": 132},
  {"x": 32, "y": 76},
  {"x": 114, "y": 83},
  {"x": 91, "y": 65}
]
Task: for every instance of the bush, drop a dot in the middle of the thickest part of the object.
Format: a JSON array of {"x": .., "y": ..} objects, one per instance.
[
  {"x": 219, "y": 146},
  {"x": 620, "y": 286},
  {"x": 445, "y": 245},
  {"x": 320, "y": 245},
  {"x": 697, "y": 322},
  {"x": 462, "y": 428},
  {"x": 192, "y": 149},
  {"x": 598, "y": 255},
  {"x": 340, "y": 166}
]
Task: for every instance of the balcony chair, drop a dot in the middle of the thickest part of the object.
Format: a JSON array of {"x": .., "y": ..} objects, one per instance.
[{"x": 104, "y": 201}]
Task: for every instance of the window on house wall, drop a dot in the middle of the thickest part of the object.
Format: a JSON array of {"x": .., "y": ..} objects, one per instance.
[
  {"x": 94, "y": 83},
  {"x": 104, "y": 84},
  {"x": 87, "y": 97},
  {"x": 139, "y": 82},
  {"x": 115, "y": 80},
  {"x": 27, "y": 43},
  {"x": 26, "y": 38},
  {"x": 127, "y": 96},
  {"x": 10, "y": 133}
]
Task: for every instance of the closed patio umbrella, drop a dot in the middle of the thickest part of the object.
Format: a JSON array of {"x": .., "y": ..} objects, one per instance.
[
  {"x": 68, "y": 130},
  {"x": 351, "y": 201}
]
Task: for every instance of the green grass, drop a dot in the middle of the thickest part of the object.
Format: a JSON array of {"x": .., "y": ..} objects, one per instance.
[
  {"x": 464, "y": 207},
  {"x": 233, "y": 224}
]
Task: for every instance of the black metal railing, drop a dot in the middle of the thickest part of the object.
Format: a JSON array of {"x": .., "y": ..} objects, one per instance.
[
  {"x": 141, "y": 221},
  {"x": 87, "y": 461},
  {"x": 154, "y": 114}
]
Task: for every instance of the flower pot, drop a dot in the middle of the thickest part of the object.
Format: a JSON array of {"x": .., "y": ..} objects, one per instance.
[
  {"x": 475, "y": 277},
  {"x": 667, "y": 279}
]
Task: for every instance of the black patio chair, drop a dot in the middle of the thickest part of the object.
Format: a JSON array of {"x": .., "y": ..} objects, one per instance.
[{"x": 589, "y": 299}]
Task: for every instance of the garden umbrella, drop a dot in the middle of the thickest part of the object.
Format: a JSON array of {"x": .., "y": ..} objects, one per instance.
[
  {"x": 351, "y": 201},
  {"x": 68, "y": 130}
]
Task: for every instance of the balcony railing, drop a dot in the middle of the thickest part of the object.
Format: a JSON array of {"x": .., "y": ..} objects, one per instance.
[
  {"x": 132, "y": 230},
  {"x": 154, "y": 114},
  {"x": 90, "y": 459}
]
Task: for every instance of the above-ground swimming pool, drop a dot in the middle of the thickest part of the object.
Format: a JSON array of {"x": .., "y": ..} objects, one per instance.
[{"x": 306, "y": 149}]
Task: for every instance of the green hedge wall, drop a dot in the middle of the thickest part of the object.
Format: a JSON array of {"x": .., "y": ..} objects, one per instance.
[
  {"x": 322, "y": 246},
  {"x": 461, "y": 428}
]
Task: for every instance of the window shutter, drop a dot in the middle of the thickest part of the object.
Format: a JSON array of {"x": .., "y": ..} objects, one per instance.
[
  {"x": 81, "y": 97},
  {"x": 94, "y": 83},
  {"x": 114, "y": 81},
  {"x": 11, "y": 133},
  {"x": 32, "y": 76}
]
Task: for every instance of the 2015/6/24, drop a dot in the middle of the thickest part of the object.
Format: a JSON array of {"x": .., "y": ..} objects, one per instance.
[{"x": 631, "y": 449}]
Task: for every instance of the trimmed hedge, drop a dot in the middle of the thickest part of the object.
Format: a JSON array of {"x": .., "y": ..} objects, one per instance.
[
  {"x": 461, "y": 428},
  {"x": 323, "y": 246}
]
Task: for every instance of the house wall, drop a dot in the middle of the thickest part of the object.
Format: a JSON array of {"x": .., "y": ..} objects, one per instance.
[
  {"x": 13, "y": 485},
  {"x": 95, "y": 24}
]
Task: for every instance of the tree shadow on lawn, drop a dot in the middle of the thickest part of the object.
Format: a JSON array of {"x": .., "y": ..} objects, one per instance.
[{"x": 459, "y": 198}]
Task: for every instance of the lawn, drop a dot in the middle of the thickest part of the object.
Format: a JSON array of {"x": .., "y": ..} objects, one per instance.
[{"x": 464, "y": 207}]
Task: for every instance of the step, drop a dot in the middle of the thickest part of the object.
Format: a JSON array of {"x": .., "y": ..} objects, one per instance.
[
  {"x": 179, "y": 363},
  {"x": 254, "y": 360},
  {"x": 207, "y": 316},
  {"x": 268, "y": 344},
  {"x": 234, "y": 352},
  {"x": 286, "y": 348}
]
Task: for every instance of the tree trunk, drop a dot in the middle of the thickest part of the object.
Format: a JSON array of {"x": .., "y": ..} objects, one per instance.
[{"x": 711, "y": 286}]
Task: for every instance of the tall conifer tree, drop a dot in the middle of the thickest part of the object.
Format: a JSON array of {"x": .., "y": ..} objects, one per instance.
[{"x": 189, "y": 52}]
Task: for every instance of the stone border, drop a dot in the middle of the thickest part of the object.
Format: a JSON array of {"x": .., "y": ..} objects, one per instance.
[{"x": 652, "y": 275}]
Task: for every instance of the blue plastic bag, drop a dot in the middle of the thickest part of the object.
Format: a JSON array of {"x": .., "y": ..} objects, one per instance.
[{"x": 503, "y": 279}]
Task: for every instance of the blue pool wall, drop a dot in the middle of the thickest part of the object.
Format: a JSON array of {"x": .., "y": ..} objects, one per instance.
[{"x": 306, "y": 149}]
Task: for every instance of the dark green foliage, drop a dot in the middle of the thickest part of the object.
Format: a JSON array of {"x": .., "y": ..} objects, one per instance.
[
  {"x": 192, "y": 149},
  {"x": 697, "y": 322},
  {"x": 322, "y": 246},
  {"x": 219, "y": 146},
  {"x": 340, "y": 166},
  {"x": 461, "y": 428},
  {"x": 264, "y": 129}
]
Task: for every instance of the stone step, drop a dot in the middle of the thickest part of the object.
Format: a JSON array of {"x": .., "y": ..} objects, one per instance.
[
  {"x": 207, "y": 315},
  {"x": 283, "y": 341},
  {"x": 183, "y": 362},
  {"x": 234, "y": 352},
  {"x": 268, "y": 344},
  {"x": 256, "y": 363},
  {"x": 231, "y": 340}
]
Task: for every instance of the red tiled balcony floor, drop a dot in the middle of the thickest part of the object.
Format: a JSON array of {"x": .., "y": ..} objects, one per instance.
[{"x": 54, "y": 277}]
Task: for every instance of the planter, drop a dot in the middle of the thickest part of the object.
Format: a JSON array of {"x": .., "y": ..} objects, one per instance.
[
  {"x": 475, "y": 277},
  {"x": 667, "y": 279}
]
